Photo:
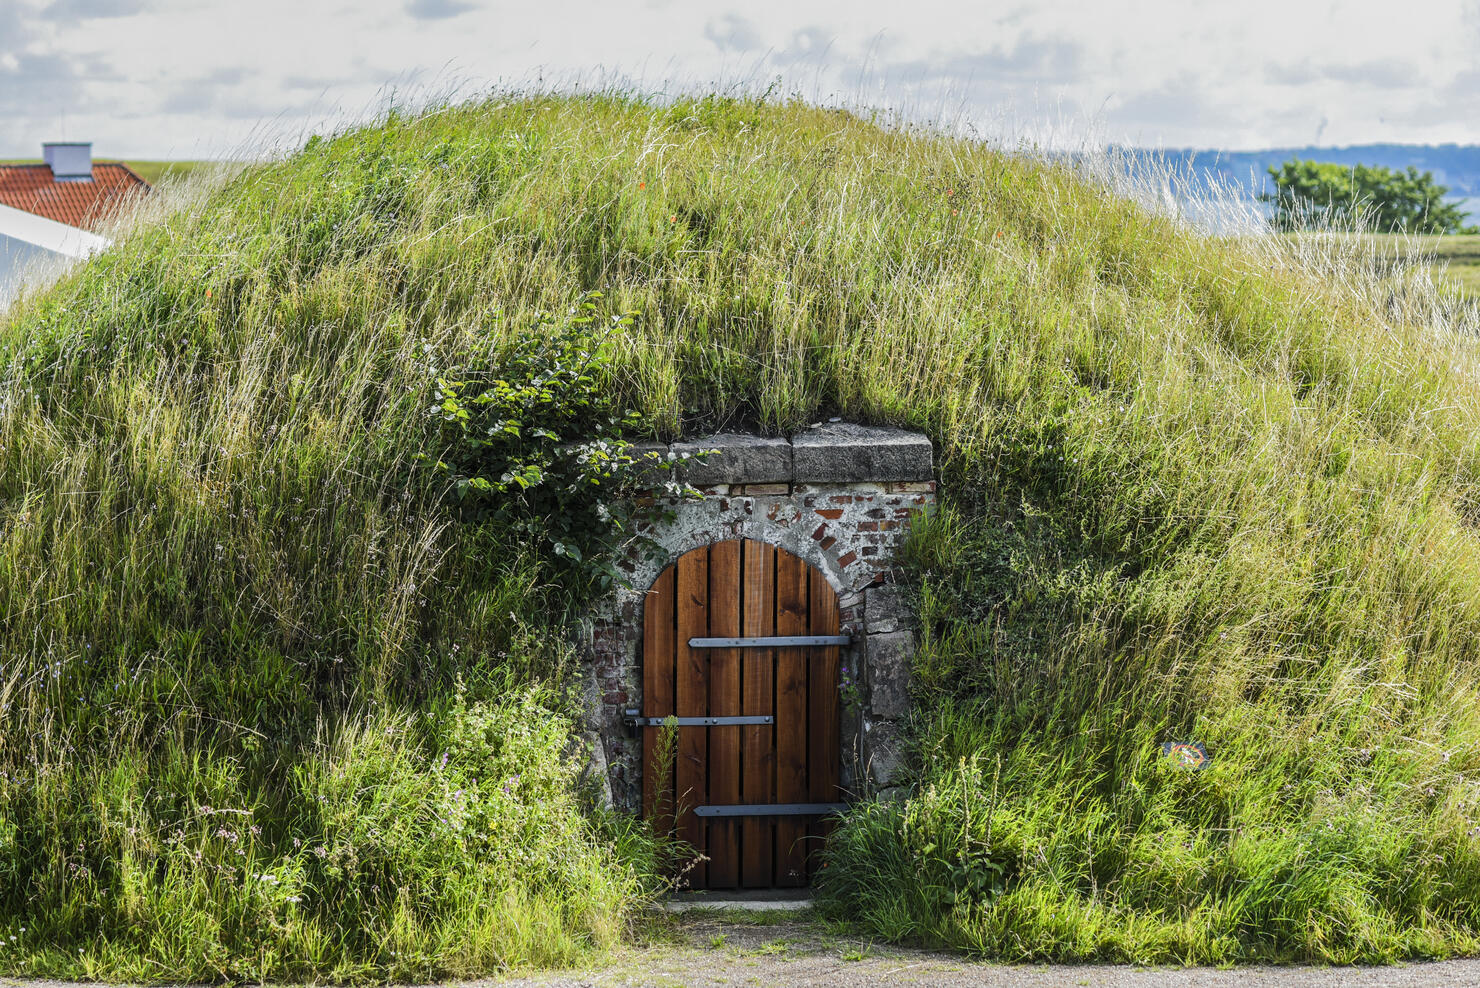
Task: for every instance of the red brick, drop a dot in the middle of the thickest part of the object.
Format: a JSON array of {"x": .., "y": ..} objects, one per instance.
[
  {"x": 821, "y": 531},
  {"x": 868, "y": 526},
  {"x": 841, "y": 499},
  {"x": 828, "y": 543},
  {"x": 831, "y": 514},
  {"x": 847, "y": 560}
]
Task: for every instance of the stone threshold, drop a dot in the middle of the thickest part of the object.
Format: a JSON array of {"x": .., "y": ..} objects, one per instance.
[{"x": 751, "y": 900}]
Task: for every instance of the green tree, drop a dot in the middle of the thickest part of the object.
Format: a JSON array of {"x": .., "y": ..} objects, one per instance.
[{"x": 1321, "y": 195}]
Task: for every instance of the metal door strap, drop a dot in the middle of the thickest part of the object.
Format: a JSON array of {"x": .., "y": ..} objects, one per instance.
[
  {"x": 701, "y": 721},
  {"x": 772, "y": 809},
  {"x": 773, "y": 641}
]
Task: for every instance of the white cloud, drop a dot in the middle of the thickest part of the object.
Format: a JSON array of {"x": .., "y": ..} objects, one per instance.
[{"x": 187, "y": 77}]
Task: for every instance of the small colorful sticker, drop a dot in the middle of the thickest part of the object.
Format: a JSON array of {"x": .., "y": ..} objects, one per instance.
[{"x": 1188, "y": 755}]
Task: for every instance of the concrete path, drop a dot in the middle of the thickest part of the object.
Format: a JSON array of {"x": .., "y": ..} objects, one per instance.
[{"x": 783, "y": 951}]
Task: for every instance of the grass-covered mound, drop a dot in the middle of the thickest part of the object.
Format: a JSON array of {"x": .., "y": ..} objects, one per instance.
[{"x": 255, "y": 656}]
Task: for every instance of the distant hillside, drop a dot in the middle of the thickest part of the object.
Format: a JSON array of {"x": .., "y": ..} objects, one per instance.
[{"x": 1454, "y": 165}]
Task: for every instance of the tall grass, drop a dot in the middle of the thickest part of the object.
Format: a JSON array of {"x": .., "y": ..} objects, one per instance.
[{"x": 1206, "y": 487}]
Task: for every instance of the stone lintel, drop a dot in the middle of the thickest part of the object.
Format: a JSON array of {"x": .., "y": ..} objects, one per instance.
[
  {"x": 842, "y": 452},
  {"x": 740, "y": 459}
]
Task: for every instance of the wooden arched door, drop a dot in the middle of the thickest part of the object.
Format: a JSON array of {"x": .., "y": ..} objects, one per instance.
[{"x": 741, "y": 645}]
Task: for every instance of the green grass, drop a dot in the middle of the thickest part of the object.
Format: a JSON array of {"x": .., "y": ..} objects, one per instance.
[
  {"x": 155, "y": 172},
  {"x": 1452, "y": 260},
  {"x": 1193, "y": 488},
  {"x": 1456, "y": 257}
]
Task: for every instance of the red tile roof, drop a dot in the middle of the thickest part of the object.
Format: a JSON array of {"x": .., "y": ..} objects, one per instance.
[{"x": 84, "y": 204}]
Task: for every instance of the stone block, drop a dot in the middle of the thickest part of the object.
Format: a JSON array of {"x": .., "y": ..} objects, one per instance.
[
  {"x": 889, "y": 657},
  {"x": 883, "y": 753},
  {"x": 887, "y": 610},
  {"x": 845, "y": 453},
  {"x": 738, "y": 459}
]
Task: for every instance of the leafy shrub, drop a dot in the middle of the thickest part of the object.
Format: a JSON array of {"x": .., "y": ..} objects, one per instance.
[{"x": 535, "y": 443}]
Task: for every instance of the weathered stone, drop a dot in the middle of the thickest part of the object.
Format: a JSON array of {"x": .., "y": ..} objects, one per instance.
[
  {"x": 739, "y": 459},
  {"x": 889, "y": 657},
  {"x": 886, "y": 610},
  {"x": 883, "y": 753},
  {"x": 841, "y": 452}
]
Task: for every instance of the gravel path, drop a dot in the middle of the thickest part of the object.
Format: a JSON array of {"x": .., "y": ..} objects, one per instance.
[{"x": 714, "y": 952}]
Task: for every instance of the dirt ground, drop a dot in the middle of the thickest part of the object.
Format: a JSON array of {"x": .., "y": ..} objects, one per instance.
[{"x": 714, "y": 950}]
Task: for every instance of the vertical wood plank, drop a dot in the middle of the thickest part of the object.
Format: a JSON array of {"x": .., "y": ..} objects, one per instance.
[
  {"x": 791, "y": 718},
  {"x": 724, "y": 700},
  {"x": 692, "y": 700},
  {"x": 657, "y": 696},
  {"x": 823, "y": 723},
  {"x": 758, "y": 746}
]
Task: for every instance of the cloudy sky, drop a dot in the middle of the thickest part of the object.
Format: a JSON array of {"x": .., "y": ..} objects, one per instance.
[{"x": 199, "y": 78}]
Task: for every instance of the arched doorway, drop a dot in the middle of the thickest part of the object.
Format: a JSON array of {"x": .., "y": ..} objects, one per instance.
[{"x": 741, "y": 645}]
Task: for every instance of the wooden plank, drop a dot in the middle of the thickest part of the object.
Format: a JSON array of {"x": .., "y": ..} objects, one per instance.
[
  {"x": 823, "y": 724},
  {"x": 792, "y": 602},
  {"x": 659, "y": 633},
  {"x": 724, "y": 699},
  {"x": 692, "y": 700},
  {"x": 758, "y": 744}
]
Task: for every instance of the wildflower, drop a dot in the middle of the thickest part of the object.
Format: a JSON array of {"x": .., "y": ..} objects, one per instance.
[
  {"x": 642, "y": 185},
  {"x": 673, "y": 219}
]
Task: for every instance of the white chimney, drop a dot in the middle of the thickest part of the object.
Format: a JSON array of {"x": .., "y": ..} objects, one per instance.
[{"x": 70, "y": 162}]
